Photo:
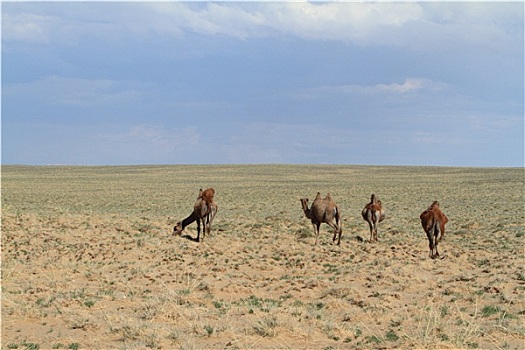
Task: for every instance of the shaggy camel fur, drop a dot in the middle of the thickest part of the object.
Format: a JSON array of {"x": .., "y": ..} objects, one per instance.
[
  {"x": 433, "y": 221},
  {"x": 204, "y": 211},
  {"x": 373, "y": 213},
  {"x": 323, "y": 210}
]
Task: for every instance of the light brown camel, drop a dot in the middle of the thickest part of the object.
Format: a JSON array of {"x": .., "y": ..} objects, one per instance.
[
  {"x": 433, "y": 221},
  {"x": 204, "y": 211},
  {"x": 323, "y": 210},
  {"x": 373, "y": 213}
]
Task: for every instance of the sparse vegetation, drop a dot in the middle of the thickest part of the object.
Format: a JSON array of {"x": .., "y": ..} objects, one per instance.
[{"x": 89, "y": 259}]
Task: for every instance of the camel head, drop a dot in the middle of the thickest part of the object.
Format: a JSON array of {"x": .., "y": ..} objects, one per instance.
[
  {"x": 304, "y": 203},
  {"x": 435, "y": 204},
  {"x": 177, "y": 229}
]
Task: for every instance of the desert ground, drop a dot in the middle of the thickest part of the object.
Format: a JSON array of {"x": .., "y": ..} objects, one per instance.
[{"x": 89, "y": 260}]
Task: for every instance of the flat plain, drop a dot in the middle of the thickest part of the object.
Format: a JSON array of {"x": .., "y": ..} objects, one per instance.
[{"x": 89, "y": 259}]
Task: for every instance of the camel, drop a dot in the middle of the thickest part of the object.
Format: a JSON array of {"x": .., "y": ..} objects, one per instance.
[
  {"x": 204, "y": 211},
  {"x": 323, "y": 210},
  {"x": 433, "y": 221},
  {"x": 373, "y": 213}
]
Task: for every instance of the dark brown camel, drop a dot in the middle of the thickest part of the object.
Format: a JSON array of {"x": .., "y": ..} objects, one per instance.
[
  {"x": 373, "y": 213},
  {"x": 204, "y": 211},
  {"x": 323, "y": 210},
  {"x": 433, "y": 221}
]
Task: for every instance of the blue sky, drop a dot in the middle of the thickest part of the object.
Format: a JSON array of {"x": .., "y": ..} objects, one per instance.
[{"x": 263, "y": 82}]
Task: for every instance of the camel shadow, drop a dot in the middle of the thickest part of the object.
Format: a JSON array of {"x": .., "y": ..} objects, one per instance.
[{"x": 189, "y": 238}]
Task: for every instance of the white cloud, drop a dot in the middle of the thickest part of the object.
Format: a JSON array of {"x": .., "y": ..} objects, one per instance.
[
  {"x": 350, "y": 22},
  {"x": 26, "y": 27},
  {"x": 419, "y": 26},
  {"x": 410, "y": 85},
  {"x": 414, "y": 25}
]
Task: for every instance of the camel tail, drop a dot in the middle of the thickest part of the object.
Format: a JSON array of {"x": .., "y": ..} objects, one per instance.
[
  {"x": 437, "y": 229},
  {"x": 375, "y": 216}
]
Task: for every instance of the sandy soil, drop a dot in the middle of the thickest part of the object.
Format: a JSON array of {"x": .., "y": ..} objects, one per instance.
[{"x": 89, "y": 261}]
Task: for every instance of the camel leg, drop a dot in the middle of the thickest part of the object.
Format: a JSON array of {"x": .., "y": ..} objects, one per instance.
[
  {"x": 375, "y": 217},
  {"x": 207, "y": 229},
  {"x": 339, "y": 238},
  {"x": 198, "y": 229},
  {"x": 211, "y": 216},
  {"x": 437, "y": 235},
  {"x": 337, "y": 231},
  {"x": 316, "y": 232},
  {"x": 204, "y": 227},
  {"x": 430, "y": 245},
  {"x": 376, "y": 222},
  {"x": 436, "y": 247},
  {"x": 371, "y": 226},
  {"x": 442, "y": 232}
]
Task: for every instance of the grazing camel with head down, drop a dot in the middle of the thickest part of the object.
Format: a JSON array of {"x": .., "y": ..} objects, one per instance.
[
  {"x": 323, "y": 210},
  {"x": 433, "y": 221},
  {"x": 373, "y": 213},
  {"x": 204, "y": 211}
]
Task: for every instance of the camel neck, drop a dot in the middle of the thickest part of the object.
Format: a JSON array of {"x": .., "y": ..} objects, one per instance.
[
  {"x": 307, "y": 213},
  {"x": 190, "y": 219}
]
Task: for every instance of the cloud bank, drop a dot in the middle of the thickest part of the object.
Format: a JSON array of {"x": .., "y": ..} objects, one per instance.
[
  {"x": 252, "y": 82},
  {"x": 426, "y": 26}
]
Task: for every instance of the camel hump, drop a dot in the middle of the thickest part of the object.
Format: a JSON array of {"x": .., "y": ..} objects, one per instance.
[
  {"x": 431, "y": 217},
  {"x": 374, "y": 199}
]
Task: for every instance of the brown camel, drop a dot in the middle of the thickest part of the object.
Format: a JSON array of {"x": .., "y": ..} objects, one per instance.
[
  {"x": 323, "y": 210},
  {"x": 204, "y": 211},
  {"x": 373, "y": 213},
  {"x": 433, "y": 221}
]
